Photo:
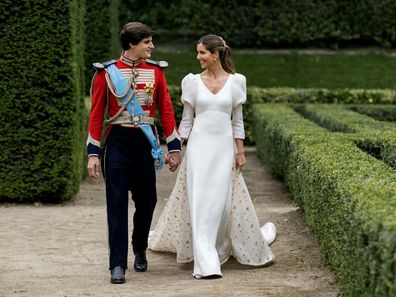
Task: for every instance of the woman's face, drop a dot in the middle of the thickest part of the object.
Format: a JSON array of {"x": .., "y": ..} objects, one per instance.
[{"x": 205, "y": 57}]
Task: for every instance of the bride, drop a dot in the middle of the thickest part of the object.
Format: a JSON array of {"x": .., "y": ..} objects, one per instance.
[{"x": 209, "y": 215}]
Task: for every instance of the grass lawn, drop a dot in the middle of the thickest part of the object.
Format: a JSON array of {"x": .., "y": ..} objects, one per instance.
[{"x": 365, "y": 70}]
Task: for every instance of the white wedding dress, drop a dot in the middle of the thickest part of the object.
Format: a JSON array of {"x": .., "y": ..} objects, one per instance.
[{"x": 209, "y": 215}]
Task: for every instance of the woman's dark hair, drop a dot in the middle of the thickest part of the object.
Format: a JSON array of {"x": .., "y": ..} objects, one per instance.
[
  {"x": 134, "y": 32},
  {"x": 215, "y": 43}
]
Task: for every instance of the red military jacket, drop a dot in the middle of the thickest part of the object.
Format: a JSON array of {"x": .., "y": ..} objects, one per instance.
[{"x": 151, "y": 91}]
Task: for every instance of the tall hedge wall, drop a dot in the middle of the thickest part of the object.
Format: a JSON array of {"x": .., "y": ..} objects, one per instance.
[
  {"x": 328, "y": 23},
  {"x": 41, "y": 87},
  {"x": 102, "y": 34}
]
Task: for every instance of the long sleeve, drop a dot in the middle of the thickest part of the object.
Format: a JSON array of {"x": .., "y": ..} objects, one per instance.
[
  {"x": 166, "y": 113},
  {"x": 186, "y": 121},
  {"x": 98, "y": 104},
  {"x": 238, "y": 128},
  {"x": 188, "y": 97}
]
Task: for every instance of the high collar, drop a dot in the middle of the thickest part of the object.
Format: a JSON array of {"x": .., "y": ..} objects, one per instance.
[{"x": 128, "y": 61}]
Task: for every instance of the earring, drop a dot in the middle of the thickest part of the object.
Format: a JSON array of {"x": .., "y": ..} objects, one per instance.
[{"x": 214, "y": 59}]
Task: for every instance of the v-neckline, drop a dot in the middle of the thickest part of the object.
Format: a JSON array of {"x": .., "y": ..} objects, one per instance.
[{"x": 214, "y": 94}]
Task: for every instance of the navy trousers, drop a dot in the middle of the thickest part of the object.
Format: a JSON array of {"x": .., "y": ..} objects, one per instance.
[{"x": 128, "y": 167}]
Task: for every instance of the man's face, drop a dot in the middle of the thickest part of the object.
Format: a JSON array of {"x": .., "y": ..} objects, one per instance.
[{"x": 143, "y": 48}]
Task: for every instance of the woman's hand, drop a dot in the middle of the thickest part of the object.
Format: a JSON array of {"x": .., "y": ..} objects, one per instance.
[{"x": 240, "y": 161}]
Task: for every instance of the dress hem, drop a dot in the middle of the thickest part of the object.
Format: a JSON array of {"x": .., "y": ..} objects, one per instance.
[{"x": 239, "y": 261}]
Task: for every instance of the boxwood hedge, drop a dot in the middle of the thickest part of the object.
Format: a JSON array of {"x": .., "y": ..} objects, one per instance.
[
  {"x": 42, "y": 112},
  {"x": 347, "y": 194}
]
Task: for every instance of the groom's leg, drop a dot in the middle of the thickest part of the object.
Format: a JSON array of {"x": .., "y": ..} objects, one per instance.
[
  {"x": 117, "y": 217},
  {"x": 145, "y": 200},
  {"x": 116, "y": 179},
  {"x": 144, "y": 195}
]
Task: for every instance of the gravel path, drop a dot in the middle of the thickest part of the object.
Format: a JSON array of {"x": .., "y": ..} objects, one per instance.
[{"x": 61, "y": 250}]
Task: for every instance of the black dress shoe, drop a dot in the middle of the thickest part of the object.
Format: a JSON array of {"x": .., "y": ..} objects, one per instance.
[
  {"x": 118, "y": 275},
  {"x": 140, "y": 264}
]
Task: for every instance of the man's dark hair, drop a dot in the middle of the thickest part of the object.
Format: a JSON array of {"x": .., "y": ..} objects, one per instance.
[{"x": 134, "y": 32}]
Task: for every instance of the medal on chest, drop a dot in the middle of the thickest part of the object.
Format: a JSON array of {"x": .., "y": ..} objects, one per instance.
[{"x": 149, "y": 91}]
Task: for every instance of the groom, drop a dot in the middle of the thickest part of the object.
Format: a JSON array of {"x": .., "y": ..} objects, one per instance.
[{"x": 131, "y": 154}]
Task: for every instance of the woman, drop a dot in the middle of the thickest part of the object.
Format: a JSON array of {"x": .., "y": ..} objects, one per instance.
[{"x": 210, "y": 216}]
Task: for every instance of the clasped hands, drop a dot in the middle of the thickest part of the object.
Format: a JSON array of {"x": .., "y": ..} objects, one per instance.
[{"x": 173, "y": 159}]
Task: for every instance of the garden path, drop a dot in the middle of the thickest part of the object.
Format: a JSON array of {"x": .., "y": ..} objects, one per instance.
[{"x": 61, "y": 250}]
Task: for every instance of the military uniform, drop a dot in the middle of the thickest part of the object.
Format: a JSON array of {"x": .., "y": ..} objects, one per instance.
[{"x": 127, "y": 163}]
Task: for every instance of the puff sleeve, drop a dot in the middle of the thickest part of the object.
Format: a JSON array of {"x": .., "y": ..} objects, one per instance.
[
  {"x": 188, "y": 97},
  {"x": 238, "y": 90},
  {"x": 189, "y": 89},
  {"x": 238, "y": 98}
]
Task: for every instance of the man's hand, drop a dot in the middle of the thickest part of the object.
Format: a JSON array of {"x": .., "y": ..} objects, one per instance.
[
  {"x": 93, "y": 166},
  {"x": 173, "y": 159}
]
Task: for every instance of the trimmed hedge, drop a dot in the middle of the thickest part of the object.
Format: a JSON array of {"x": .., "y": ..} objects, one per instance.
[
  {"x": 347, "y": 195},
  {"x": 379, "y": 137},
  {"x": 42, "y": 111},
  {"x": 334, "y": 116},
  {"x": 378, "y": 112},
  {"x": 291, "y": 95},
  {"x": 289, "y": 23},
  {"x": 383, "y": 148},
  {"x": 102, "y": 31}
]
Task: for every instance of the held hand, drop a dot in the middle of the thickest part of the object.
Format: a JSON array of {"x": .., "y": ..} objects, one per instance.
[
  {"x": 166, "y": 160},
  {"x": 173, "y": 159},
  {"x": 240, "y": 161},
  {"x": 93, "y": 166}
]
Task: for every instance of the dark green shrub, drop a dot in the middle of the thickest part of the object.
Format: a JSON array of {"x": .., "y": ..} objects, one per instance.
[
  {"x": 102, "y": 35},
  {"x": 325, "y": 23},
  {"x": 42, "y": 111}
]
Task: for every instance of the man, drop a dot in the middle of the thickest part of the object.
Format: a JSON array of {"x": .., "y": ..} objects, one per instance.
[{"x": 131, "y": 153}]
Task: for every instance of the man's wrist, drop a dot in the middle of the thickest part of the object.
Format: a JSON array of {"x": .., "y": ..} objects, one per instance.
[{"x": 174, "y": 151}]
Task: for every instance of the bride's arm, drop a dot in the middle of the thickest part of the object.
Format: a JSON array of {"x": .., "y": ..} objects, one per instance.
[
  {"x": 239, "y": 136},
  {"x": 186, "y": 121},
  {"x": 184, "y": 131}
]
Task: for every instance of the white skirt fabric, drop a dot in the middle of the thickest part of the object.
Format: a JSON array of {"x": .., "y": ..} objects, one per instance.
[{"x": 241, "y": 236}]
